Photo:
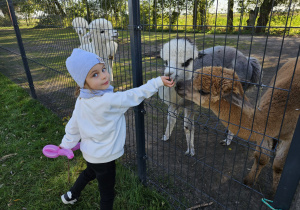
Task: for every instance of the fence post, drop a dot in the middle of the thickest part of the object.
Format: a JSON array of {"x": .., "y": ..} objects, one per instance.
[
  {"x": 137, "y": 74},
  {"x": 290, "y": 175},
  {"x": 21, "y": 47}
]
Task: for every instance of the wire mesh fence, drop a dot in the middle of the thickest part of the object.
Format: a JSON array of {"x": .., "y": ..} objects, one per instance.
[{"x": 141, "y": 37}]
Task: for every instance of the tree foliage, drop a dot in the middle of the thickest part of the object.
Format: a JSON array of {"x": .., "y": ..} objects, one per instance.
[{"x": 153, "y": 13}]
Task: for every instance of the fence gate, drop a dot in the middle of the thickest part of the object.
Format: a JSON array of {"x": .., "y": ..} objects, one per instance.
[{"x": 142, "y": 39}]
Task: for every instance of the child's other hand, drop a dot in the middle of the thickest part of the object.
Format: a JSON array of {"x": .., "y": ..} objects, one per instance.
[{"x": 167, "y": 81}]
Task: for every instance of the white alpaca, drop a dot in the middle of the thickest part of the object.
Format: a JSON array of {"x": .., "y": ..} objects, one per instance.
[
  {"x": 102, "y": 36},
  {"x": 178, "y": 55},
  {"x": 181, "y": 58},
  {"x": 80, "y": 25}
]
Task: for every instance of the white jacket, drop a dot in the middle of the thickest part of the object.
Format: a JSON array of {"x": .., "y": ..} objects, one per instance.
[{"x": 100, "y": 122}]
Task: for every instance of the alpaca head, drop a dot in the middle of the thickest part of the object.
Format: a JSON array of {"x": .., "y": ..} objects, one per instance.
[
  {"x": 178, "y": 55},
  {"x": 101, "y": 30},
  {"x": 80, "y": 25},
  {"x": 211, "y": 85}
]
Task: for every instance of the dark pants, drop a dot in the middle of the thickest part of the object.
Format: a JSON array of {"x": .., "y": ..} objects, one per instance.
[{"x": 105, "y": 174}]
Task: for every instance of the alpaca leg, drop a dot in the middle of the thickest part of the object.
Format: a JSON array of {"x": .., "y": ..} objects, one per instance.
[
  {"x": 172, "y": 113},
  {"x": 261, "y": 160},
  {"x": 227, "y": 141},
  {"x": 189, "y": 130},
  {"x": 279, "y": 161}
]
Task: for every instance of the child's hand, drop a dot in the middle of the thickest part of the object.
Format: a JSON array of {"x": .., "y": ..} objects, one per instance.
[{"x": 167, "y": 81}]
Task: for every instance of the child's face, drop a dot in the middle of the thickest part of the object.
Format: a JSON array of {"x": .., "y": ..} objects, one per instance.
[{"x": 97, "y": 78}]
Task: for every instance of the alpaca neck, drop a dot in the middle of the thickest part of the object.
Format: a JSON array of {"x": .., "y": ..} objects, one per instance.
[
  {"x": 102, "y": 48},
  {"x": 241, "y": 122}
]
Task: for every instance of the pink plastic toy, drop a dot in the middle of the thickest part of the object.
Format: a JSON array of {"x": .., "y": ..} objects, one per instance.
[{"x": 53, "y": 151}]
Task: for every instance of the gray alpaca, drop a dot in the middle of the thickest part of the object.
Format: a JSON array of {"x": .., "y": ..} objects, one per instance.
[{"x": 248, "y": 70}]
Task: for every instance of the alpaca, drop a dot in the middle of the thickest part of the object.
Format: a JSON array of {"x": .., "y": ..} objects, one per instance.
[
  {"x": 248, "y": 69},
  {"x": 80, "y": 25},
  {"x": 102, "y": 35},
  {"x": 219, "y": 90},
  {"x": 179, "y": 55},
  {"x": 181, "y": 58}
]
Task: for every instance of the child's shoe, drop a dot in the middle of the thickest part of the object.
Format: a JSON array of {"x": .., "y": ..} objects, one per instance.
[{"x": 68, "y": 198}]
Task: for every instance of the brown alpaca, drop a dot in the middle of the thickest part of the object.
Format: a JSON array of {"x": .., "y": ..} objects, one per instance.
[{"x": 220, "y": 90}]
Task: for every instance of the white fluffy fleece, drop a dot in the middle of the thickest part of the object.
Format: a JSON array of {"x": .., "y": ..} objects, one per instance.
[
  {"x": 80, "y": 25},
  {"x": 179, "y": 55},
  {"x": 102, "y": 36},
  {"x": 179, "y": 50}
]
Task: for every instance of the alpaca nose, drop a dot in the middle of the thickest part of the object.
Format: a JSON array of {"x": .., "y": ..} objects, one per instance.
[{"x": 178, "y": 85}]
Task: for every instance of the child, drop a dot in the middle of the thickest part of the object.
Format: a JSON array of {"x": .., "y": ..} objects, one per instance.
[{"x": 98, "y": 120}]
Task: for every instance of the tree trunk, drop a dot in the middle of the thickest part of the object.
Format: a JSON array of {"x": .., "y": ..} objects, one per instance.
[
  {"x": 4, "y": 9},
  {"x": 173, "y": 18},
  {"x": 51, "y": 7},
  {"x": 88, "y": 14},
  {"x": 202, "y": 13},
  {"x": 195, "y": 14},
  {"x": 230, "y": 15},
  {"x": 263, "y": 19},
  {"x": 60, "y": 9},
  {"x": 154, "y": 18},
  {"x": 252, "y": 18}
]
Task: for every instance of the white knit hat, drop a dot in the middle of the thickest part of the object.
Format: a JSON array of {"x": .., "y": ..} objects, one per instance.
[{"x": 80, "y": 63}]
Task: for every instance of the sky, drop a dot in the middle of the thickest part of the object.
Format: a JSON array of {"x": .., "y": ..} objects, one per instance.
[{"x": 222, "y": 7}]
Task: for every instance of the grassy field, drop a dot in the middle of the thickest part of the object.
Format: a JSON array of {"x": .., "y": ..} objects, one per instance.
[{"x": 29, "y": 180}]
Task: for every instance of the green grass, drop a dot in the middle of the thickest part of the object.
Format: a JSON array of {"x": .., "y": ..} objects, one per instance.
[{"x": 29, "y": 180}]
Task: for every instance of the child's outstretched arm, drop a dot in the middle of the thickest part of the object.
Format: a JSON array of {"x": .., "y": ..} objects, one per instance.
[
  {"x": 133, "y": 97},
  {"x": 167, "y": 81}
]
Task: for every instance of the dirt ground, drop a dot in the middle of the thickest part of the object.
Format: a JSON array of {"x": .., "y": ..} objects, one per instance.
[{"x": 215, "y": 174}]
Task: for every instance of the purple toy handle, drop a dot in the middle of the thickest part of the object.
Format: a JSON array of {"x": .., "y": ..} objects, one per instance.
[
  {"x": 76, "y": 147},
  {"x": 53, "y": 151}
]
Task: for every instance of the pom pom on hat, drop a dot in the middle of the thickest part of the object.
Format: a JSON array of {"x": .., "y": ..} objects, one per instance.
[{"x": 80, "y": 63}]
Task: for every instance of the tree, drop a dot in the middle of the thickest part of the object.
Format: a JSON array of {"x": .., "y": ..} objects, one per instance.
[
  {"x": 27, "y": 9},
  {"x": 112, "y": 8},
  {"x": 154, "y": 16},
  {"x": 265, "y": 10},
  {"x": 195, "y": 12},
  {"x": 230, "y": 15},
  {"x": 4, "y": 8},
  {"x": 88, "y": 13},
  {"x": 170, "y": 10},
  {"x": 199, "y": 13}
]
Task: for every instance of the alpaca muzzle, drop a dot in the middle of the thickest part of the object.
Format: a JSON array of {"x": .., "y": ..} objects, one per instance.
[{"x": 180, "y": 88}]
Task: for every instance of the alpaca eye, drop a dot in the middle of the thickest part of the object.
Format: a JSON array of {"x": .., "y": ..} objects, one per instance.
[
  {"x": 187, "y": 63},
  {"x": 202, "y": 92},
  {"x": 101, "y": 32}
]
